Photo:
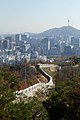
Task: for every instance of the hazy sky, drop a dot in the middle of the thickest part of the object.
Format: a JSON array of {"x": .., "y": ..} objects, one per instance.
[{"x": 37, "y": 15}]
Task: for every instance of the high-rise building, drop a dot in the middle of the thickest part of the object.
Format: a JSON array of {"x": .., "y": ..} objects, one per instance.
[
  {"x": 51, "y": 43},
  {"x": 6, "y": 44},
  {"x": 75, "y": 42},
  {"x": 21, "y": 37},
  {"x": 45, "y": 46}
]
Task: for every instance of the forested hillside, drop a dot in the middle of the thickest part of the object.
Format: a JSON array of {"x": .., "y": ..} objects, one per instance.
[{"x": 63, "y": 103}]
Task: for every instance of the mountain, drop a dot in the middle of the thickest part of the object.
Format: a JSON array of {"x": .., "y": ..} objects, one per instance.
[{"x": 65, "y": 30}]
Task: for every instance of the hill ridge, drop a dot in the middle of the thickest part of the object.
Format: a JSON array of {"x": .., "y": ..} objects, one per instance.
[{"x": 64, "y": 30}]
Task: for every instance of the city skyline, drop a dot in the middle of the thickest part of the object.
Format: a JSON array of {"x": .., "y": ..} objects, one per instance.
[{"x": 38, "y": 15}]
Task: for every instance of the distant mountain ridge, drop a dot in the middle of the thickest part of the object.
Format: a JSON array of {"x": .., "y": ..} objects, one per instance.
[{"x": 65, "y": 30}]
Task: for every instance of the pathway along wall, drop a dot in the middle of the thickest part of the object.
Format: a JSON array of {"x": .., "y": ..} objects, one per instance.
[{"x": 30, "y": 92}]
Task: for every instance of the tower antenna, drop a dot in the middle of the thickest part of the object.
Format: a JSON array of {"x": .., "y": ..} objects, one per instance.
[{"x": 68, "y": 21}]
